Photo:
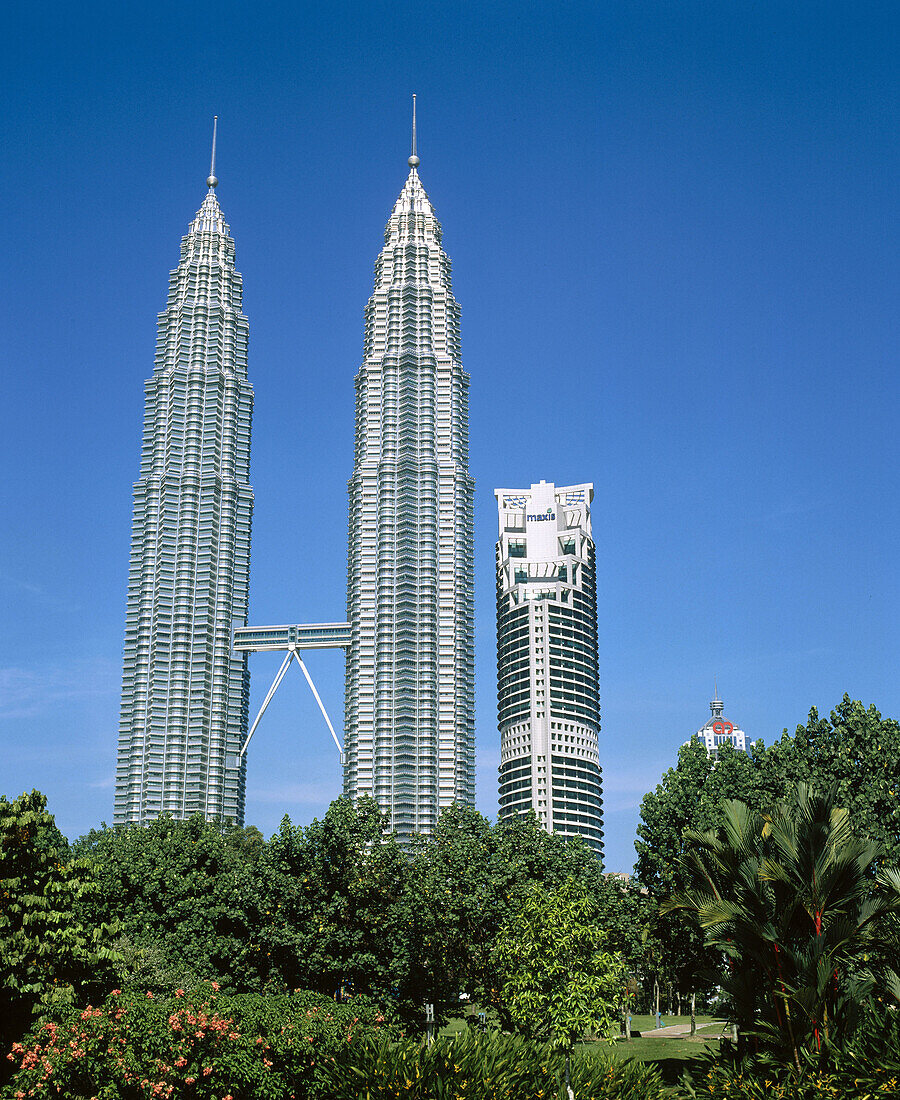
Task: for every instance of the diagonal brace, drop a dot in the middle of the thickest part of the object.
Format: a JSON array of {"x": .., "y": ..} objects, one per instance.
[
  {"x": 279, "y": 676},
  {"x": 312, "y": 688}
]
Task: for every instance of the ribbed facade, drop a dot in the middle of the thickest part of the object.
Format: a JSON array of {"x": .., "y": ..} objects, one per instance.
[
  {"x": 185, "y": 694},
  {"x": 547, "y": 668},
  {"x": 409, "y": 702}
]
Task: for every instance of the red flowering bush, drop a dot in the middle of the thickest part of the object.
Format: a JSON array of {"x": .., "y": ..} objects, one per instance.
[{"x": 206, "y": 1046}]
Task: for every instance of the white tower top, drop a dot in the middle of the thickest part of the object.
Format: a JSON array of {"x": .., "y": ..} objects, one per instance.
[{"x": 719, "y": 729}]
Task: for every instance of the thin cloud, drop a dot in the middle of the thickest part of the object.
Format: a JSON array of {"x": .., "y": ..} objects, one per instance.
[
  {"x": 19, "y": 585},
  {"x": 26, "y": 692}
]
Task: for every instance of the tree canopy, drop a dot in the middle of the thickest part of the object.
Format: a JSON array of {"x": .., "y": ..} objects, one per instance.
[
  {"x": 48, "y": 955},
  {"x": 788, "y": 898},
  {"x": 558, "y": 980}
]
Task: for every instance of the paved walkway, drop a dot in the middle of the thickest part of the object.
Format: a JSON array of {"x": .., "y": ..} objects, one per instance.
[{"x": 679, "y": 1031}]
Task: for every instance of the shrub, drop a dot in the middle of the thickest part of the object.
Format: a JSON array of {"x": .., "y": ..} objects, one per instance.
[
  {"x": 205, "y": 1046},
  {"x": 470, "y": 1067},
  {"x": 871, "y": 1069}
]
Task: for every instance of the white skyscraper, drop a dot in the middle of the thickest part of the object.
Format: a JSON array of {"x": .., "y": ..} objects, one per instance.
[
  {"x": 548, "y": 689},
  {"x": 409, "y": 702},
  {"x": 184, "y": 692}
]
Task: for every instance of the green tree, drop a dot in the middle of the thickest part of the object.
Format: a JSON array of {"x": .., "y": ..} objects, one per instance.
[
  {"x": 329, "y": 899},
  {"x": 558, "y": 979},
  {"x": 855, "y": 750},
  {"x": 857, "y": 753},
  {"x": 689, "y": 796},
  {"x": 447, "y": 918},
  {"x": 788, "y": 898},
  {"x": 48, "y": 956},
  {"x": 183, "y": 895},
  {"x": 465, "y": 881}
]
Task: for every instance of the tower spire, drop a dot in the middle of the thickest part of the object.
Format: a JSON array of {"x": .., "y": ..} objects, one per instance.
[
  {"x": 414, "y": 159},
  {"x": 211, "y": 180},
  {"x": 716, "y": 705}
]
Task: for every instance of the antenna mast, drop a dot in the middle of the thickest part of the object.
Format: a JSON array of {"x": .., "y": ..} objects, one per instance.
[
  {"x": 414, "y": 158},
  {"x": 211, "y": 180}
]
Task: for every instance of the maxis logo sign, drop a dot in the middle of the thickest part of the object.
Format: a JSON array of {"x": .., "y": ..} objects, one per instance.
[{"x": 549, "y": 514}]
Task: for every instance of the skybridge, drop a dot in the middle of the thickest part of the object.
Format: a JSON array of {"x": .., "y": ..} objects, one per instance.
[
  {"x": 290, "y": 640},
  {"x": 264, "y": 639}
]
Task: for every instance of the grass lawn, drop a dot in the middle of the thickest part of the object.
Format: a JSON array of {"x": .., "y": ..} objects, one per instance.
[
  {"x": 670, "y": 1055},
  {"x": 658, "y": 1050}
]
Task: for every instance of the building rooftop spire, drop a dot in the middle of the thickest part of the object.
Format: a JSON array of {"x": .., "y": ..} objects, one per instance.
[
  {"x": 716, "y": 705},
  {"x": 211, "y": 180},
  {"x": 413, "y": 158}
]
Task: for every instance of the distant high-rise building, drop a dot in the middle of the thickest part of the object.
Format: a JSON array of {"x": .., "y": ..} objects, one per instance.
[
  {"x": 185, "y": 693},
  {"x": 547, "y": 670},
  {"x": 409, "y": 701},
  {"x": 718, "y": 730}
]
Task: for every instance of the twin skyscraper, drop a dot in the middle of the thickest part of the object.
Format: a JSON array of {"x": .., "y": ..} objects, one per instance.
[{"x": 409, "y": 722}]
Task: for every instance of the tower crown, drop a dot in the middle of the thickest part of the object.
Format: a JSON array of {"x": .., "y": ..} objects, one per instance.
[
  {"x": 413, "y": 219},
  {"x": 209, "y": 218}
]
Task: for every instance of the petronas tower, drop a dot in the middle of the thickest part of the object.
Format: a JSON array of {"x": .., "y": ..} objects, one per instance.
[
  {"x": 409, "y": 703},
  {"x": 184, "y": 692}
]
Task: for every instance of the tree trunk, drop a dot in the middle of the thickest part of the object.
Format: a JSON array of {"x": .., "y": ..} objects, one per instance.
[
  {"x": 569, "y": 1093},
  {"x": 693, "y": 1013},
  {"x": 656, "y": 996}
]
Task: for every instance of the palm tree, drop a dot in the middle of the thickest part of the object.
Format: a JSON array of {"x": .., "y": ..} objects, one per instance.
[{"x": 792, "y": 901}]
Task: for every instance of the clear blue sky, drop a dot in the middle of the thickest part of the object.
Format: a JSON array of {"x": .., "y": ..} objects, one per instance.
[{"x": 674, "y": 236}]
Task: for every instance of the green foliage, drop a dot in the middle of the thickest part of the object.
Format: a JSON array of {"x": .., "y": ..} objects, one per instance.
[
  {"x": 557, "y": 980},
  {"x": 465, "y": 882},
  {"x": 329, "y": 900},
  {"x": 336, "y": 907},
  {"x": 48, "y": 956},
  {"x": 594, "y": 1077},
  {"x": 182, "y": 894},
  {"x": 499, "y": 1067},
  {"x": 855, "y": 752},
  {"x": 210, "y": 1047},
  {"x": 855, "y": 1075},
  {"x": 788, "y": 898},
  {"x": 625, "y": 912},
  {"x": 689, "y": 796}
]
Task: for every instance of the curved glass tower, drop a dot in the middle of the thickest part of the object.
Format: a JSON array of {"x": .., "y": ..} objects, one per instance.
[
  {"x": 184, "y": 692},
  {"x": 547, "y": 668},
  {"x": 409, "y": 702}
]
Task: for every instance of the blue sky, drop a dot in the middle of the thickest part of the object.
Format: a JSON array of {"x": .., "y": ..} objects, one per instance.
[{"x": 674, "y": 237}]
